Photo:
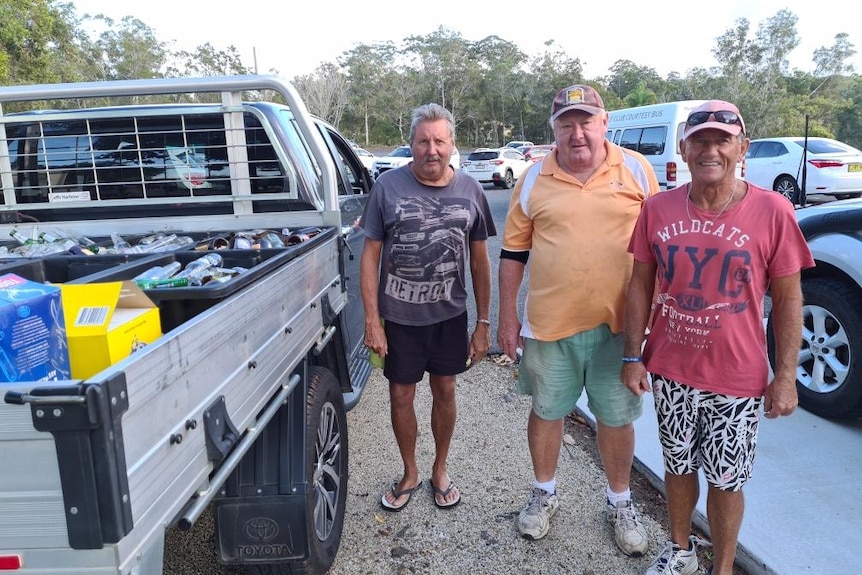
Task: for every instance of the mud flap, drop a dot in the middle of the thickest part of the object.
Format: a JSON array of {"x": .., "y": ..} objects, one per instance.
[{"x": 261, "y": 529}]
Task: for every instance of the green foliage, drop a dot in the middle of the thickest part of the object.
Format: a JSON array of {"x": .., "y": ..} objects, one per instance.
[{"x": 494, "y": 90}]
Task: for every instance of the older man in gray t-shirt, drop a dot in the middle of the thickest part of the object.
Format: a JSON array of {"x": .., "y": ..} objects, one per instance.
[{"x": 423, "y": 223}]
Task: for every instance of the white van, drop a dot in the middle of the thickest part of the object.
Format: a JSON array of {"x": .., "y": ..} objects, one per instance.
[{"x": 655, "y": 132}]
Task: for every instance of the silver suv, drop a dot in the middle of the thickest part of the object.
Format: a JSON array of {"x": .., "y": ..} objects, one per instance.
[{"x": 829, "y": 366}]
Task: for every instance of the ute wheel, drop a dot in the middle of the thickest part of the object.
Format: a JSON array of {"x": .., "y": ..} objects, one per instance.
[
  {"x": 829, "y": 364},
  {"x": 787, "y": 187},
  {"x": 326, "y": 449}
]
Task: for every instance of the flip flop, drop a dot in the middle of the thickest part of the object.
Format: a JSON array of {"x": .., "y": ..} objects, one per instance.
[
  {"x": 435, "y": 491},
  {"x": 396, "y": 494}
]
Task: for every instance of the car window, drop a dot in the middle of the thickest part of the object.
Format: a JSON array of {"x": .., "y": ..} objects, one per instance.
[
  {"x": 489, "y": 155},
  {"x": 402, "y": 152},
  {"x": 770, "y": 150},
  {"x": 631, "y": 138},
  {"x": 752, "y": 149},
  {"x": 826, "y": 147},
  {"x": 652, "y": 141}
]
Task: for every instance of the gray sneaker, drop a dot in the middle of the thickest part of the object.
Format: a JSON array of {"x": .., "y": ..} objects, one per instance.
[
  {"x": 534, "y": 521},
  {"x": 673, "y": 560},
  {"x": 630, "y": 535}
]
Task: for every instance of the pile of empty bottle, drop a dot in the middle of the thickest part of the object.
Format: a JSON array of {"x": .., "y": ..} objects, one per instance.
[
  {"x": 58, "y": 242},
  {"x": 261, "y": 239},
  {"x": 42, "y": 243},
  {"x": 205, "y": 269}
]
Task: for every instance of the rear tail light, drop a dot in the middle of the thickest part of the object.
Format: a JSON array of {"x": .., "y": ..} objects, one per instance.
[
  {"x": 496, "y": 162},
  {"x": 826, "y": 163},
  {"x": 671, "y": 175},
  {"x": 10, "y": 562}
]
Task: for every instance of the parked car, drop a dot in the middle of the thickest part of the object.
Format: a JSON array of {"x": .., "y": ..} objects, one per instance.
[
  {"x": 401, "y": 156},
  {"x": 518, "y": 143},
  {"x": 829, "y": 364},
  {"x": 398, "y": 157},
  {"x": 366, "y": 157},
  {"x": 832, "y": 168},
  {"x": 500, "y": 166},
  {"x": 534, "y": 154}
]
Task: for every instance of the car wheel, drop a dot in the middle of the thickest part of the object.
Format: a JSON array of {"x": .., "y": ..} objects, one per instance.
[
  {"x": 787, "y": 187},
  {"x": 828, "y": 370},
  {"x": 509, "y": 180},
  {"x": 326, "y": 475}
]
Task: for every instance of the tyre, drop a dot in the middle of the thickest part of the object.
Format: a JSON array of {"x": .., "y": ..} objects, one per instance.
[
  {"x": 829, "y": 368},
  {"x": 787, "y": 187},
  {"x": 509, "y": 180},
  {"x": 326, "y": 474}
]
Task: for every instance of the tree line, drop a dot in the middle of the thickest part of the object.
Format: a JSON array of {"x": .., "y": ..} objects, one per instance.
[{"x": 495, "y": 91}]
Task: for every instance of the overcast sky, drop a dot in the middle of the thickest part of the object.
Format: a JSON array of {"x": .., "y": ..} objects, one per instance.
[{"x": 295, "y": 36}]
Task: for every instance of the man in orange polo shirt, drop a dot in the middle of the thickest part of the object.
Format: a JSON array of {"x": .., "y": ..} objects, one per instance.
[{"x": 573, "y": 215}]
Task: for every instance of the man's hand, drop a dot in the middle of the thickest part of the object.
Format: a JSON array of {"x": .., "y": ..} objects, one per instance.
[
  {"x": 780, "y": 397},
  {"x": 480, "y": 343},
  {"x": 375, "y": 338},
  {"x": 634, "y": 376},
  {"x": 508, "y": 336}
]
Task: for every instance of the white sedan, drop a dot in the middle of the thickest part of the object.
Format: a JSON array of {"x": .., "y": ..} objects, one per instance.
[{"x": 831, "y": 167}]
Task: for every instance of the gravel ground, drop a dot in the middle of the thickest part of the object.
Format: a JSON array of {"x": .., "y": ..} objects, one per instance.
[{"x": 490, "y": 463}]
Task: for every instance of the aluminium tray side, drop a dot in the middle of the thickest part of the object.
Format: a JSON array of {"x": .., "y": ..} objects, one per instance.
[{"x": 175, "y": 379}]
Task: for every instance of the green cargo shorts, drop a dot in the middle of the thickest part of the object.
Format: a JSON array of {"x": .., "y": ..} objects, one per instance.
[{"x": 555, "y": 373}]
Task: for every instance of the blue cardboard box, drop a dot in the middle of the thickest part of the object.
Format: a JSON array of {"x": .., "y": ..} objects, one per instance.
[{"x": 33, "y": 344}]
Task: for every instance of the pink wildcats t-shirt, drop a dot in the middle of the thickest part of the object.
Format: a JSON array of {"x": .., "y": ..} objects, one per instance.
[{"x": 707, "y": 329}]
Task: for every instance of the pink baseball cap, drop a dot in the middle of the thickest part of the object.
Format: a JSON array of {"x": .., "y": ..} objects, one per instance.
[
  {"x": 716, "y": 115},
  {"x": 577, "y": 97}
]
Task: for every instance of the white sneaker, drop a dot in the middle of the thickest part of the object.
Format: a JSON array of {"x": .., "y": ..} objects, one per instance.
[
  {"x": 630, "y": 535},
  {"x": 673, "y": 560},
  {"x": 534, "y": 521}
]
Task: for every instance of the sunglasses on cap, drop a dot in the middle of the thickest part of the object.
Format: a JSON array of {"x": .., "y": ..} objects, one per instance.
[{"x": 723, "y": 116}]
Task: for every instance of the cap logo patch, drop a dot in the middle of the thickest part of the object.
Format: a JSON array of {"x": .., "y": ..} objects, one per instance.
[{"x": 575, "y": 96}]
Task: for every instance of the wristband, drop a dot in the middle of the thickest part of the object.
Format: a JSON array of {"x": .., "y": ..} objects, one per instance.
[
  {"x": 483, "y": 320},
  {"x": 635, "y": 359}
]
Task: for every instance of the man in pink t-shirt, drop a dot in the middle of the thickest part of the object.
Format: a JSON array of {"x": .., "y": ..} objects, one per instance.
[{"x": 705, "y": 256}]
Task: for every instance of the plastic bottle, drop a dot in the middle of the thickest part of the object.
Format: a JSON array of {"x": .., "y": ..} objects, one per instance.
[
  {"x": 197, "y": 270},
  {"x": 119, "y": 243},
  {"x": 158, "y": 273},
  {"x": 163, "y": 283}
]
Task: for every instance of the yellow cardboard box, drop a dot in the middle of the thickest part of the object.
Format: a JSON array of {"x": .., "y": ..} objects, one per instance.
[{"x": 105, "y": 322}]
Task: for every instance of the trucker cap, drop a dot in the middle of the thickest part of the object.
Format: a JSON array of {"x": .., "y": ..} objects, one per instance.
[
  {"x": 577, "y": 97},
  {"x": 709, "y": 115}
]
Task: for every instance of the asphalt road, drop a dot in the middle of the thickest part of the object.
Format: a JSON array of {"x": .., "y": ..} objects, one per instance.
[{"x": 498, "y": 201}]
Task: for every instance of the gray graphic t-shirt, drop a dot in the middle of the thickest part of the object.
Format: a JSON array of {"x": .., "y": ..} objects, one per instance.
[{"x": 426, "y": 233}]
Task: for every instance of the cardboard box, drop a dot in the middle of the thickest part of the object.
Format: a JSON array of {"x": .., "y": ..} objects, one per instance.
[
  {"x": 32, "y": 331},
  {"x": 105, "y": 322}
]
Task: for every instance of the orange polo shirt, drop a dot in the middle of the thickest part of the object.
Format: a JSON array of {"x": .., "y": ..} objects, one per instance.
[{"x": 577, "y": 235}]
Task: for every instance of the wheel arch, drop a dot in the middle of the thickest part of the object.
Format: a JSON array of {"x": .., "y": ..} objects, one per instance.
[
  {"x": 837, "y": 256},
  {"x": 784, "y": 175}
]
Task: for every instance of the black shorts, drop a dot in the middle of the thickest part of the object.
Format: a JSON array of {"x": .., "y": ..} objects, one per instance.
[{"x": 440, "y": 349}]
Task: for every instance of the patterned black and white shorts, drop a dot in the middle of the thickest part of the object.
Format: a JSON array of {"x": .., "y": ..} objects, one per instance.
[{"x": 701, "y": 429}]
